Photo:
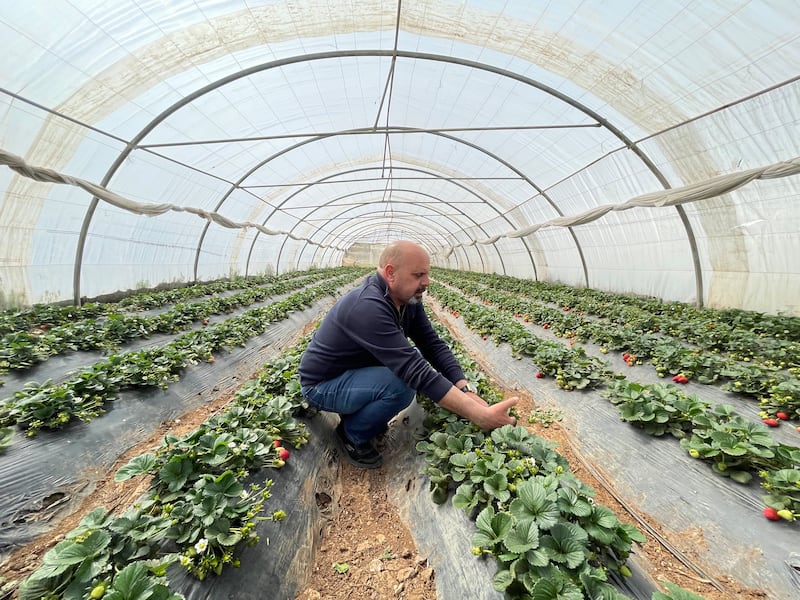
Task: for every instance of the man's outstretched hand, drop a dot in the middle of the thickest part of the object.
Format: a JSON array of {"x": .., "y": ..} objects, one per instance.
[
  {"x": 496, "y": 415},
  {"x": 473, "y": 407}
]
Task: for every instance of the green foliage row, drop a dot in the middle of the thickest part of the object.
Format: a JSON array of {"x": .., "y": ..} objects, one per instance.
[
  {"x": 762, "y": 362},
  {"x": 82, "y": 396},
  {"x": 22, "y": 349},
  {"x": 198, "y": 509},
  {"x": 539, "y": 522},
  {"x": 51, "y": 315},
  {"x": 735, "y": 447}
]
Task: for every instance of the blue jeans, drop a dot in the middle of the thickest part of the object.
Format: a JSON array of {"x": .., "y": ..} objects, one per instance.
[{"x": 367, "y": 399}]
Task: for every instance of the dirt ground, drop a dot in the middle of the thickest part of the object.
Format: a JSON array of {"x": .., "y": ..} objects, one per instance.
[{"x": 374, "y": 550}]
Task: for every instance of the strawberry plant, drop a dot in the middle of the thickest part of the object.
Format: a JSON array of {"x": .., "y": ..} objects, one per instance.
[
  {"x": 115, "y": 554},
  {"x": 703, "y": 367},
  {"x": 20, "y": 350},
  {"x": 197, "y": 479},
  {"x": 783, "y": 492},
  {"x": 544, "y": 416},
  {"x": 547, "y": 356},
  {"x": 736, "y": 447},
  {"x": 749, "y": 379},
  {"x": 784, "y": 398},
  {"x": 656, "y": 409},
  {"x": 539, "y": 522},
  {"x": 552, "y": 534},
  {"x": 47, "y": 405},
  {"x": 582, "y": 372}
]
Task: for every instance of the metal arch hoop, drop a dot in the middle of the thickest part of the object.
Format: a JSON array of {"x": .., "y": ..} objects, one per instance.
[
  {"x": 369, "y": 227},
  {"x": 399, "y": 202},
  {"x": 133, "y": 144},
  {"x": 447, "y": 136},
  {"x": 406, "y": 216},
  {"x": 465, "y": 188}
]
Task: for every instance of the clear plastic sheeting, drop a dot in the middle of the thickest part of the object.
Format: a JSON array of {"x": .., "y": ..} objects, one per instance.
[{"x": 331, "y": 124}]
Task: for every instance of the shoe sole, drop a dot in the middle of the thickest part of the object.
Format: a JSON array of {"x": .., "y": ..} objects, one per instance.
[{"x": 355, "y": 463}]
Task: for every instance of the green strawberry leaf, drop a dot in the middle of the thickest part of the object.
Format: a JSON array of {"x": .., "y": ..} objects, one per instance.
[
  {"x": 144, "y": 464},
  {"x": 523, "y": 536}
]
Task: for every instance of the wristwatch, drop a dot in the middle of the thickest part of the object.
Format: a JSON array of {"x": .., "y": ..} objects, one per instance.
[{"x": 468, "y": 388}]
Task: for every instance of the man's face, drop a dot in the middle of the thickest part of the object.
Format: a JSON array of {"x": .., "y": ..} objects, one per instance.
[{"x": 410, "y": 278}]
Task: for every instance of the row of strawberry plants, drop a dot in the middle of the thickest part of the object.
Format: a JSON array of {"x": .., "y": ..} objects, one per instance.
[
  {"x": 571, "y": 367},
  {"x": 777, "y": 391},
  {"x": 731, "y": 326},
  {"x": 200, "y": 507},
  {"x": 776, "y": 342},
  {"x": 21, "y": 350},
  {"x": 157, "y": 299},
  {"x": 541, "y": 524},
  {"x": 569, "y": 318},
  {"x": 736, "y": 447},
  {"x": 51, "y": 315},
  {"x": 83, "y": 395}
]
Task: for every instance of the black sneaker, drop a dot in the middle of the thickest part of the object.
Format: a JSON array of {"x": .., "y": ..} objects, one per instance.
[
  {"x": 359, "y": 455},
  {"x": 380, "y": 440}
]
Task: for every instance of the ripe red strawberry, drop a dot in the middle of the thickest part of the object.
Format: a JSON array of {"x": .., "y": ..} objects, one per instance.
[
  {"x": 546, "y": 325},
  {"x": 782, "y": 416},
  {"x": 770, "y": 422},
  {"x": 484, "y": 338},
  {"x": 205, "y": 322},
  {"x": 284, "y": 454},
  {"x": 626, "y": 356},
  {"x": 277, "y": 443},
  {"x": 539, "y": 375},
  {"x": 771, "y": 514}
]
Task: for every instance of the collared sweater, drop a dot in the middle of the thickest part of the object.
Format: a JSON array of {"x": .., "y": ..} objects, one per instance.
[{"x": 365, "y": 329}]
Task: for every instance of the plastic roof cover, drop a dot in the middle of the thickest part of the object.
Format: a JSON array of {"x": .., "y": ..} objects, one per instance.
[{"x": 250, "y": 136}]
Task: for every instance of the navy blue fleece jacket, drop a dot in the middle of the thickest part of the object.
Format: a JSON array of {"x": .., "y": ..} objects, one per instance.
[{"x": 364, "y": 329}]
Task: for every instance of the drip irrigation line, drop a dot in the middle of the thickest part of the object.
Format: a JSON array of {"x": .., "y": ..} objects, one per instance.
[{"x": 680, "y": 556}]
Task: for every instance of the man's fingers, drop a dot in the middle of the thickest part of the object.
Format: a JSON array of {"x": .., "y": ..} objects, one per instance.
[
  {"x": 502, "y": 408},
  {"x": 507, "y": 404}
]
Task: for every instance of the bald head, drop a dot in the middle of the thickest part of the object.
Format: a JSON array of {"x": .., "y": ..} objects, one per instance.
[
  {"x": 399, "y": 252},
  {"x": 405, "y": 267}
]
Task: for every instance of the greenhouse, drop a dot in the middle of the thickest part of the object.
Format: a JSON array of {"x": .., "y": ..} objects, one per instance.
[{"x": 600, "y": 202}]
